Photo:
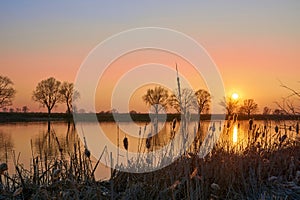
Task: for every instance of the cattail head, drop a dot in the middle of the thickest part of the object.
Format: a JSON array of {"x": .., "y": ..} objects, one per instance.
[
  {"x": 87, "y": 153},
  {"x": 281, "y": 139},
  {"x": 125, "y": 143},
  {"x": 250, "y": 124},
  {"x": 3, "y": 168},
  {"x": 148, "y": 143},
  {"x": 174, "y": 124},
  {"x": 297, "y": 128},
  {"x": 213, "y": 128},
  {"x": 276, "y": 129}
]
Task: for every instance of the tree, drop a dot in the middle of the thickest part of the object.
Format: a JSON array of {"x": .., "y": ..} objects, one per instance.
[
  {"x": 288, "y": 105},
  {"x": 249, "y": 107},
  {"x": 188, "y": 100},
  {"x": 279, "y": 112},
  {"x": 68, "y": 95},
  {"x": 157, "y": 98},
  {"x": 47, "y": 93},
  {"x": 230, "y": 105},
  {"x": 7, "y": 92},
  {"x": 203, "y": 100},
  {"x": 266, "y": 111},
  {"x": 25, "y": 109}
]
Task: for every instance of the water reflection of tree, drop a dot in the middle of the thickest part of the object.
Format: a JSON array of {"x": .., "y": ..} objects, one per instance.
[
  {"x": 6, "y": 145},
  {"x": 51, "y": 144}
]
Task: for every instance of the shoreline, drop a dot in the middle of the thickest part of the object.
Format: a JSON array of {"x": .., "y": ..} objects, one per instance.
[{"x": 123, "y": 117}]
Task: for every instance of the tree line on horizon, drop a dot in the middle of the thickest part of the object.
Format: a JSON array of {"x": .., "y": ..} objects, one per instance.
[{"x": 49, "y": 92}]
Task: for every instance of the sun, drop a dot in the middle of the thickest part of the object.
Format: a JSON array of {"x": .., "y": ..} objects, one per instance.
[{"x": 235, "y": 96}]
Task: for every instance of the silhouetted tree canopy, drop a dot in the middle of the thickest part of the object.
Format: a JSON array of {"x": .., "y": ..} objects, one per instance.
[
  {"x": 188, "y": 100},
  {"x": 68, "y": 95},
  {"x": 203, "y": 100},
  {"x": 47, "y": 93},
  {"x": 230, "y": 105},
  {"x": 157, "y": 98},
  {"x": 7, "y": 92},
  {"x": 249, "y": 107}
]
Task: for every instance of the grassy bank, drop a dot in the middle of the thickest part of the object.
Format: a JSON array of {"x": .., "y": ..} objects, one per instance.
[
  {"x": 254, "y": 174},
  {"x": 263, "y": 169}
]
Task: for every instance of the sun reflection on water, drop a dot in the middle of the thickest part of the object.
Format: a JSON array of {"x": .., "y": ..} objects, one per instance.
[{"x": 235, "y": 134}]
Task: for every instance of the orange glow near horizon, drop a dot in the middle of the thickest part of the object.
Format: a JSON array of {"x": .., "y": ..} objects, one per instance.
[
  {"x": 254, "y": 48},
  {"x": 126, "y": 65}
]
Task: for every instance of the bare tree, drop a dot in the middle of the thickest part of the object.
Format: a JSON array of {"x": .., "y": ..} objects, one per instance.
[
  {"x": 230, "y": 105},
  {"x": 249, "y": 107},
  {"x": 188, "y": 100},
  {"x": 47, "y": 93},
  {"x": 68, "y": 94},
  {"x": 290, "y": 103},
  {"x": 7, "y": 92},
  {"x": 266, "y": 111},
  {"x": 203, "y": 101}
]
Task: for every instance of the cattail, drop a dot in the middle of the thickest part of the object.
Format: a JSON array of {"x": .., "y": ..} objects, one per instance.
[
  {"x": 276, "y": 129},
  {"x": 87, "y": 153},
  {"x": 281, "y": 140},
  {"x": 297, "y": 128},
  {"x": 213, "y": 127},
  {"x": 290, "y": 128},
  {"x": 250, "y": 124},
  {"x": 3, "y": 168},
  {"x": 228, "y": 124},
  {"x": 125, "y": 143},
  {"x": 148, "y": 143},
  {"x": 174, "y": 124}
]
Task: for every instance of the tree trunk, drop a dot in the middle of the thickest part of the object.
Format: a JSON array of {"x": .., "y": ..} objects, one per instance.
[
  {"x": 69, "y": 109},
  {"x": 49, "y": 113}
]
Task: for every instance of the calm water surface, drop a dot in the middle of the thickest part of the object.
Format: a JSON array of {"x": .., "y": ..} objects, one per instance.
[{"x": 22, "y": 141}]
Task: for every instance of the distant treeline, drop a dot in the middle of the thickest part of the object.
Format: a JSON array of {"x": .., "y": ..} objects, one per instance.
[{"x": 123, "y": 117}]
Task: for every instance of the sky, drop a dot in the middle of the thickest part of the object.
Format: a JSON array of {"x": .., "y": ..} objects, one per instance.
[{"x": 254, "y": 44}]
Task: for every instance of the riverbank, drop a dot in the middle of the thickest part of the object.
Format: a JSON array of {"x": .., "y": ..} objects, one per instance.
[
  {"x": 271, "y": 173},
  {"x": 123, "y": 117}
]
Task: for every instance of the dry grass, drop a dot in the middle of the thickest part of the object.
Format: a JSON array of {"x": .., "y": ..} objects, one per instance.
[{"x": 269, "y": 169}]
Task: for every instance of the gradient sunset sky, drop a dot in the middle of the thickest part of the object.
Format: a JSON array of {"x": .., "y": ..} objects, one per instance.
[{"x": 254, "y": 43}]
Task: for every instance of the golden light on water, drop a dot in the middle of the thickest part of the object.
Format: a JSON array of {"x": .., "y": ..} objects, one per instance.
[{"x": 235, "y": 134}]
